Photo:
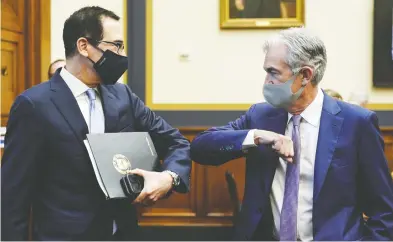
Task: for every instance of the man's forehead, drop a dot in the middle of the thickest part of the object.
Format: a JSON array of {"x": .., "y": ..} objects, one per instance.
[
  {"x": 275, "y": 55},
  {"x": 277, "y": 50},
  {"x": 112, "y": 29}
]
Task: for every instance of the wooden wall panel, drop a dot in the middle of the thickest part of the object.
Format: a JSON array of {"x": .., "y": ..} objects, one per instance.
[
  {"x": 178, "y": 209},
  {"x": 216, "y": 195},
  {"x": 12, "y": 54},
  {"x": 13, "y": 15},
  {"x": 208, "y": 202},
  {"x": 25, "y": 48},
  {"x": 12, "y": 70},
  {"x": 174, "y": 211},
  {"x": 387, "y": 134}
]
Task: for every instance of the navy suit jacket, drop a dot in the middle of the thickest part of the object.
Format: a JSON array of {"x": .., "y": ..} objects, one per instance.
[
  {"x": 46, "y": 165},
  {"x": 350, "y": 178}
]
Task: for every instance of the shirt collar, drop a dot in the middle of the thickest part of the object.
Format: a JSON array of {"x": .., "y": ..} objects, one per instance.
[
  {"x": 76, "y": 86},
  {"x": 312, "y": 114}
]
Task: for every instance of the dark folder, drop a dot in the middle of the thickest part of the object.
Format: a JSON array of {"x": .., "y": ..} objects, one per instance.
[{"x": 113, "y": 154}]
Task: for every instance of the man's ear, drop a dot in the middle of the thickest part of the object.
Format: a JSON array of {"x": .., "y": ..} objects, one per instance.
[
  {"x": 307, "y": 75},
  {"x": 81, "y": 45}
]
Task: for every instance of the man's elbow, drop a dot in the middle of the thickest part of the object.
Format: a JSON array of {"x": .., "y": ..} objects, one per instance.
[{"x": 203, "y": 157}]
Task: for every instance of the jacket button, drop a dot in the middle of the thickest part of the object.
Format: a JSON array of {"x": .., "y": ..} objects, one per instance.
[{"x": 260, "y": 210}]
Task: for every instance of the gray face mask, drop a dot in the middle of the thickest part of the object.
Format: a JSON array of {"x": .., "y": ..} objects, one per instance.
[{"x": 280, "y": 95}]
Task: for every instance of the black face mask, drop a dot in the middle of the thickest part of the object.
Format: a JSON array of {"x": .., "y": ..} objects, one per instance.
[{"x": 110, "y": 67}]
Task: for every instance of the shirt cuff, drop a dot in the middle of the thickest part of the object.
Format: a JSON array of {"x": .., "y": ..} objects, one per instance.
[{"x": 249, "y": 140}]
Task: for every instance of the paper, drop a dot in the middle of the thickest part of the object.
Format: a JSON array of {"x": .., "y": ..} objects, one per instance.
[
  {"x": 93, "y": 162},
  {"x": 2, "y": 133}
]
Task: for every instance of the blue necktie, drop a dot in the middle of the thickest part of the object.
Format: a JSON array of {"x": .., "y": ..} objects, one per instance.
[
  {"x": 96, "y": 124},
  {"x": 288, "y": 219}
]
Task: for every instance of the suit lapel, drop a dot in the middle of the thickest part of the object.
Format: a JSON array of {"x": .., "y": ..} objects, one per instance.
[
  {"x": 67, "y": 105},
  {"x": 329, "y": 131},
  {"x": 111, "y": 110},
  {"x": 276, "y": 122}
]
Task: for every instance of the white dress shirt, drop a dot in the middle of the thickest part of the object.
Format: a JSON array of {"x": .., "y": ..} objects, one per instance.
[
  {"x": 78, "y": 89},
  {"x": 309, "y": 130}
]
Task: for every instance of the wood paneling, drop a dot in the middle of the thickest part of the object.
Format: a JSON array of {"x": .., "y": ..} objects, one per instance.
[
  {"x": 13, "y": 15},
  {"x": 12, "y": 54},
  {"x": 208, "y": 203},
  {"x": 217, "y": 200},
  {"x": 38, "y": 46},
  {"x": 176, "y": 208},
  {"x": 25, "y": 48},
  {"x": 12, "y": 70},
  {"x": 387, "y": 134}
]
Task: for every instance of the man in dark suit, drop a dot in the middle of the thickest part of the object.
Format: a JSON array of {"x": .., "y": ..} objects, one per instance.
[
  {"x": 45, "y": 163},
  {"x": 317, "y": 184},
  {"x": 57, "y": 64}
]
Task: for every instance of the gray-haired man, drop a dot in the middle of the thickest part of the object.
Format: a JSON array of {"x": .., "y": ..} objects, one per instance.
[{"x": 317, "y": 184}]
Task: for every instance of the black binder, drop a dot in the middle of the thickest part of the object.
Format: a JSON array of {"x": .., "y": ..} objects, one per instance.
[{"x": 113, "y": 154}]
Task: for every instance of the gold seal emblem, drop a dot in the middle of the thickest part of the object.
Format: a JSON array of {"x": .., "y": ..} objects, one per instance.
[{"x": 121, "y": 163}]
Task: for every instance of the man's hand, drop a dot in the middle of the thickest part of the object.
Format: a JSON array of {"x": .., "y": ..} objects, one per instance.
[
  {"x": 283, "y": 145},
  {"x": 156, "y": 186}
]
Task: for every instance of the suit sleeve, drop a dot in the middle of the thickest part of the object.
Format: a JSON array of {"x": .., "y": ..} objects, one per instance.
[
  {"x": 376, "y": 189},
  {"x": 23, "y": 142},
  {"x": 172, "y": 147},
  {"x": 219, "y": 145}
]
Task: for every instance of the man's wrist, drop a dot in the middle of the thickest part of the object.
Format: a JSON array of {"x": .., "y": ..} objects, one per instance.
[
  {"x": 256, "y": 137},
  {"x": 175, "y": 178}
]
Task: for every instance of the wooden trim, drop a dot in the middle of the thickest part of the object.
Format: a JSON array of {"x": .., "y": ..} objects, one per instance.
[
  {"x": 125, "y": 32},
  {"x": 260, "y": 23},
  {"x": 380, "y": 106},
  {"x": 171, "y": 214},
  {"x": 149, "y": 53},
  {"x": 219, "y": 214},
  {"x": 187, "y": 222},
  {"x": 193, "y": 129},
  {"x": 387, "y": 128},
  {"x": 37, "y": 41},
  {"x": 45, "y": 35},
  {"x": 32, "y": 40}
]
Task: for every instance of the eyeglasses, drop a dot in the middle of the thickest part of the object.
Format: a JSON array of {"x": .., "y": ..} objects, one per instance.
[{"x": 119, "y": 45}]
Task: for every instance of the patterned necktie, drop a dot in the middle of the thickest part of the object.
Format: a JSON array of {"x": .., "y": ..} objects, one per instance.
[
  {"x": 95, "y": 122},
  {"x": 288, "y": 219}
]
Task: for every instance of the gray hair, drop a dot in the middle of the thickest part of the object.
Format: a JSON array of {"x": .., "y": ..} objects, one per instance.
[{"x": 304, "y": 49}]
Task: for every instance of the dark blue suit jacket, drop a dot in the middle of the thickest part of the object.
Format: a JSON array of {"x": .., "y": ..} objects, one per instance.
[
  {"x": 46, "y": 165},
  {"x": 350, "y": 177}
]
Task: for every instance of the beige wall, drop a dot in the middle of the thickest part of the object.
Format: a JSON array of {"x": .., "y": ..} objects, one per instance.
[
  {"x": 226, "y": 66},
  {"x": 61, "y": 10}
]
